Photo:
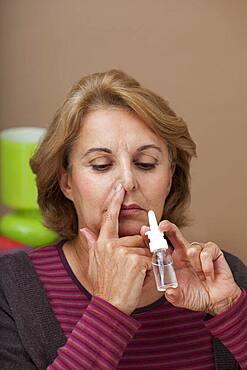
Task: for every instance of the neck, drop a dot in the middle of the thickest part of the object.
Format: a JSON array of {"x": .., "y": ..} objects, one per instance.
[{"x": 76, "y": 253}]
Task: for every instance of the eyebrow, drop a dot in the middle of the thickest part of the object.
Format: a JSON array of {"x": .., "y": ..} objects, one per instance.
[
  {"x": 91, "y": 150},
  {"x": 148, "y": 146},
  {"x": 106, "y": 150}
]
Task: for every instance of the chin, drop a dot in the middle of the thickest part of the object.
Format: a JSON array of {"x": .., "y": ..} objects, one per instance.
[{"x": 129, "y": 228}]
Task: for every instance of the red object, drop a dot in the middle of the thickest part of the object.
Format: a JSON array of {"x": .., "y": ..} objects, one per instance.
[{"x": 7, "y": 245}]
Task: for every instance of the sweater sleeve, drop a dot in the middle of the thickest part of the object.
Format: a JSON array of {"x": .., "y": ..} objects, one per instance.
[
  {"x": 98, "y": 339},
  {"x": 12, "y": 355},
  {"x": 231, "y": 328}
]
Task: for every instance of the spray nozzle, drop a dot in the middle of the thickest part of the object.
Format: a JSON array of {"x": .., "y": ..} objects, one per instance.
[{"x": 157, "y": 240}]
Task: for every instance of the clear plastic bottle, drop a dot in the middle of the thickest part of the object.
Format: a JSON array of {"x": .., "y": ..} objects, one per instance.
[{"x": 163, "y": 269}]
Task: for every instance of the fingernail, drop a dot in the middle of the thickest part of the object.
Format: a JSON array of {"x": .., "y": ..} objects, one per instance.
[
  {"x": 118, "y": 187},
  {"x": 87, "y": 235},
  {"x": 170, "y": 295},
  {"x": 84, "y": 233},
  {"x": 165, "y": 223}
]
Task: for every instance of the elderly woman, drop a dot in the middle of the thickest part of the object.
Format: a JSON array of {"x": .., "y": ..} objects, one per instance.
[{"x": 114, "y": 151}]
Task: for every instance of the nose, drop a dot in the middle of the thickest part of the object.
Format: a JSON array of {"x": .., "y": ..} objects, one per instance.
[{"x": 128, "y": 179}]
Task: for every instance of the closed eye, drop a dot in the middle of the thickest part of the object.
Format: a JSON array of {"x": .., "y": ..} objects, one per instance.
[
  {"x": 145, "y": 166},
  {"x": 141, "y": 165},
  {"x": 101, "y": 167}
]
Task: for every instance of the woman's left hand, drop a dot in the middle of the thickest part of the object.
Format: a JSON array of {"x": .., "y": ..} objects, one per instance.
[{"x": 205, "y": 281}]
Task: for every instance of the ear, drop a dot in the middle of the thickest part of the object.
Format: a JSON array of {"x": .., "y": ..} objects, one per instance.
[{"x": 65, "y": 184}]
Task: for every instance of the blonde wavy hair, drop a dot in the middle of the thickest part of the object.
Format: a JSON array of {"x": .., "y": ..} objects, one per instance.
[{"x": 112, "y": 88}]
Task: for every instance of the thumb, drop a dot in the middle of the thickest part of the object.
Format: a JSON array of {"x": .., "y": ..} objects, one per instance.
[
  {"x": 143, "y": 231},
  {"x": 174, "y": 296},
  {"x": 89, "y": 235}
]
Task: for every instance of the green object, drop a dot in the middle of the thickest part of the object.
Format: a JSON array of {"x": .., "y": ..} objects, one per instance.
[
  {"x": 18, "y": 189},
  {"x": 26, "y": 227}
]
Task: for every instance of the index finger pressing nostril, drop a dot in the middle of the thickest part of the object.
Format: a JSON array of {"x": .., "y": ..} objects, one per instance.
[{"x": 109, "y": 226}]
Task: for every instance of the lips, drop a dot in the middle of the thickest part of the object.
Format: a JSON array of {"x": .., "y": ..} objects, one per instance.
[
  {"x": 130, "y": 210},
  {"x": 131, "y": 206}
]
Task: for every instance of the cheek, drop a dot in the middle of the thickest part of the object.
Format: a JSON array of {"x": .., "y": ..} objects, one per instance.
[
  {"x": 160, "y": 194},
  {"x": 90, "y": 196},
  {"x": 158, "y": 186},
  {"x": 90, "y": 199},
  {"x": 158, "y": 191}
]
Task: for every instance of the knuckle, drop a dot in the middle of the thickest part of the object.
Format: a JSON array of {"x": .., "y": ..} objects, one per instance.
[
  {"x": 206, "y": 253},
  {"x": 122, "y": 251},
  {"x": 134, "y": 258},
  {"x": 148, "y": 264},
  {"x": 108, "y": 216},
  {"x": 138, "y": 239},
  {"x": 192, "y": 251},
  {"x": 210, "y": 244},
  {"x": 110, "y": 244},
  {"x": 147, "y": 253},
  {"x": 207, "y": 271}
]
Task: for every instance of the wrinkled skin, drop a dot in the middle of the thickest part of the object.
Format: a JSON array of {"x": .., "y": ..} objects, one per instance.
[{"x": 110, "y": 256}]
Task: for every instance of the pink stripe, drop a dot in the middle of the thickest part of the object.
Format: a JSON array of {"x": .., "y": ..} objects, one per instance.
[
  {"x": 169, "y": 346},
  {"x": 109, "y": 326},
  {"x": 89, "y": 353},
  {"x": 103, "y": 330},
  {"x": 163, "y": 337},
  {"x": 113, "y": 345},
  {"x": 234, "y": 340},
  {"x": 96, "y": 347},
  {"x": 71, "y": 362},
  {"x": 107, "y": 307}
]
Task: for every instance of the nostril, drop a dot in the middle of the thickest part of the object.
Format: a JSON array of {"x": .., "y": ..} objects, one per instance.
[{"x": 130, "y": 185}]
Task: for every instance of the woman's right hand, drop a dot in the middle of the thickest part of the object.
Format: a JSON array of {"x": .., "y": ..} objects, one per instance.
[{"x": 117, "y": 266}]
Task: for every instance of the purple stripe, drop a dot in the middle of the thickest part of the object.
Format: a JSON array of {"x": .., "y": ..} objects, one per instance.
[
  {"x": 119, "y": 329},
  {"x": 169, "y": 346},
  {"x": 94, "y": 333},
  {"x": 84, "y": 348},
  {"x": 96, "y": 347},
  {"x": 96, "y": 338},
  {"x": 113, "y": 312},
  {"x": 99, "y": 332},
  {"x": 105, "y": 332}
]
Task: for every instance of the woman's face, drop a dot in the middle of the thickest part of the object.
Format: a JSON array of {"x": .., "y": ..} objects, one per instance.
[{"x": 115, "y": 146}]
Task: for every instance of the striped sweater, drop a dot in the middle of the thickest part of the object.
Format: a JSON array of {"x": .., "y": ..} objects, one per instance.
[{"x": 158, "y": 336}]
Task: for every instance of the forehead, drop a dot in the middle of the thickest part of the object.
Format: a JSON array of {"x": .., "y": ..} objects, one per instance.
[{"x": 114, "y": 125}]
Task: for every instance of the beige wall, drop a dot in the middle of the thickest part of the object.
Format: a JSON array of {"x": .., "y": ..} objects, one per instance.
[{"x": 192, "y": 52}]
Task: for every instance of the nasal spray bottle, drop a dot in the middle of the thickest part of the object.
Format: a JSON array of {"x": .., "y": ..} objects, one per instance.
[{"x": 162, "y": 261}]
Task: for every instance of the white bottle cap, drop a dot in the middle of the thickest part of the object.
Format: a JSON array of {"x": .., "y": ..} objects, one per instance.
[{"x": 155, "y": 236}]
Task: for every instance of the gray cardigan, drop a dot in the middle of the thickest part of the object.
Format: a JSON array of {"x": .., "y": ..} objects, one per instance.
[{"x": 29, "y": 332}]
